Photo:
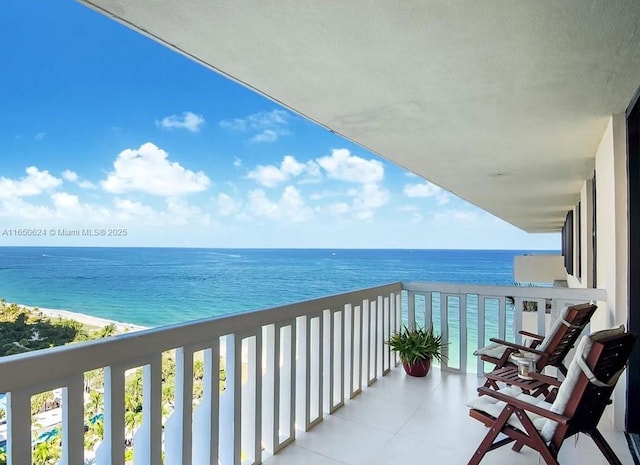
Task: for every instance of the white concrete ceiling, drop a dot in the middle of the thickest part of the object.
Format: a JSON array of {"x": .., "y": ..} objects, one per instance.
[{"x": 500, "y": 102}]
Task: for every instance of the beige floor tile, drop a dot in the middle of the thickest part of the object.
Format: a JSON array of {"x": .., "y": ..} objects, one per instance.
[{"x": 404, "y": 420}]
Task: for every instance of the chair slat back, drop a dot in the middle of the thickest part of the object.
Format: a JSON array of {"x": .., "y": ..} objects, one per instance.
[
  {"x": 588, "y": 401},
  {"x": 561, "y": 342}
]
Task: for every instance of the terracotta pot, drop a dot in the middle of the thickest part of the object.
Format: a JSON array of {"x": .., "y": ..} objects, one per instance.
[{"x": 418, "y": 369}]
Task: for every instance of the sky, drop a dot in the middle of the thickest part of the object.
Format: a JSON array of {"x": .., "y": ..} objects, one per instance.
[{"x": 107, "y": 138}]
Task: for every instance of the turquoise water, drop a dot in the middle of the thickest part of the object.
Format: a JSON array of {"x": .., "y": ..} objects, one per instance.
[{"x": 153, "y": 287}]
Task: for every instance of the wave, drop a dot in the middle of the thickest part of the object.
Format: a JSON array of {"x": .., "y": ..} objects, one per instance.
[{"x": 232, "y": 255}]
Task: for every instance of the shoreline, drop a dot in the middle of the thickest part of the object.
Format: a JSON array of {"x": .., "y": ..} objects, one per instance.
[{"x": 84, "y": 318}]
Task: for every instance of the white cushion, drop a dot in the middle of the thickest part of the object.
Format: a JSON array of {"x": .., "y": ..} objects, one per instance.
[
  {"x": 554, "y": 329},
  {"x": 496, "y": 350},
  {"x": 573, "y": 374},
  {"x": 494, "y": 407}
]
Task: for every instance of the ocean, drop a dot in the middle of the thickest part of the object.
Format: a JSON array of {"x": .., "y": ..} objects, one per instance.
[{"x": 158, "y": 286}]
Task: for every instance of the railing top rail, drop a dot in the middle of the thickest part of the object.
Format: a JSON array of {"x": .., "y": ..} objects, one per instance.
[
  {"x": 513, "y": 291},
  {"x": 40, "y": 367}
]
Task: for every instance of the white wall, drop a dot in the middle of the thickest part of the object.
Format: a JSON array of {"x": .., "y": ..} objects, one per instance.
[
  {"x": 612, "y": 226},
  {"x": 585, "y": 231},
  {"x": 612, "y": 237},
  {"x": 539, "y": 268}
]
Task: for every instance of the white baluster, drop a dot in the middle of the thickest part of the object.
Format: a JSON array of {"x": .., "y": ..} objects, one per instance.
[
  {"x": 205, "y": 416},
  {"x": 73, "y": 422}
]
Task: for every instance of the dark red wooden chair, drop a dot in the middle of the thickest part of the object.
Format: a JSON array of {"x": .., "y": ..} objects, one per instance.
[
  {"x": 547, "y": 351},
  {"x": 578, "y": 406}
]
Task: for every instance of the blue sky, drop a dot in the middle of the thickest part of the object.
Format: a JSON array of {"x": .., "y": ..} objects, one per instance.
[{"x": 102, "y": 128}]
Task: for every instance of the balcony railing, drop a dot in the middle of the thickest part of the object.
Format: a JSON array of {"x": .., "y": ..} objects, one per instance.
[
  {"x": 286, "y": 368},
  {"x": 467, "y": 316}
]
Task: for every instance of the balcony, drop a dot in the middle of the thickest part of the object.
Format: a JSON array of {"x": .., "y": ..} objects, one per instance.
[
  {"x": 404, "y": 420},
  {"x": 309, "y": 381}
]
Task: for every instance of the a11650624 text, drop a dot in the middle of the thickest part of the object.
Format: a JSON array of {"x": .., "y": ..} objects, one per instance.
[{"x": 63, "y": 232}]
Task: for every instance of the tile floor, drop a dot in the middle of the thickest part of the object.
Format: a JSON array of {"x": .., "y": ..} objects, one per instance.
[{"x": 404, "y": 420}]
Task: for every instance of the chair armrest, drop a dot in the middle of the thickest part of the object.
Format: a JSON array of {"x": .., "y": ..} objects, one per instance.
[
  {"x": 550, "y": 380},
  {"x": 531, "y": 335},
  {"x": 518, "y": 346},
  {"x": 524, "y": 405}
]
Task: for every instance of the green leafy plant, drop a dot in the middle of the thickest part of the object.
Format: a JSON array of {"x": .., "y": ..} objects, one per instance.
[{"x": 414, "y": 345}]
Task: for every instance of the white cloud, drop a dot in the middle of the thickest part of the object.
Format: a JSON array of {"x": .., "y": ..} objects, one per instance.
[
  {"x": 40, "y": 135},
  {"x": 268, "y": 118},
  {"x": 293, "y": 205},
  {"x": 343, "y": 166},
  {"x": 257, "y": 121},
  {"x": 365, "y": 176},
  {"x": 291, "y": 166},
  {"x": 426, "y": 190},
  {"x": 237, "y": 162},
  {"x": 268, "y": 135},
  {"x": 260, "y": 205},
  {"x": 187, "y": 120},
  {"x": 176, "y": 212},
  {"x": 369, "y": 197},
  {"x": 87, "y": 185},
  {"x": 271, "y": 175},
  {"x": 268, "y": 176},
  {"x": 267, "y": 126},
  {"x": 132, "y": 209},
  {"x": 72, "y": 176},
  {"x": 290, "y": 207},
  {"x": 148, "y": 169},
  {"x": 62, "y": 209},
  {"x": 226, "y": 204},
  {"x": 34, "y": 183},
  {"x": 64, "y": 201},
  {"x": 17, "y": 209},
  {"x": 181, "y": 212}
]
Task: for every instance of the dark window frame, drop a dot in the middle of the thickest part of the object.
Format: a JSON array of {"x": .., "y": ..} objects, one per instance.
[
  {"x": 567, "y": 242},
  {"x": 579, "y": 241},
  {"x": 594, "y": 231},
  {"x": 632, "y": 422}
]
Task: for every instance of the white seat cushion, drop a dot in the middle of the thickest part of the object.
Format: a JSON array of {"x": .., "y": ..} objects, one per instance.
[
  {"x": 494, "y": 350},
  {"x": 494, "y": 407}
]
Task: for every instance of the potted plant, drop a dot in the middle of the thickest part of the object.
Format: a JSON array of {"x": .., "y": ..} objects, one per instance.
[{"x": 416, "y": 347}]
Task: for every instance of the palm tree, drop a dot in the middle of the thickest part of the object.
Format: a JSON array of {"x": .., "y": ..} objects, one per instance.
[
  {"x": 95, "y": 405},
  {"x": 94, "y": 434},
  {"x": 48, "y": 451}
]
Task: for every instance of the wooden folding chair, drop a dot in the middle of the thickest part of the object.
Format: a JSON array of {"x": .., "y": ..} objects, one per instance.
[
  {"x": 546, "y": 351},
  {"x": 580, "y": 402}
]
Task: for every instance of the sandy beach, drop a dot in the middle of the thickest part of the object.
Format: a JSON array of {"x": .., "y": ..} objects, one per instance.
[{"x": 85, "y": 319}]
